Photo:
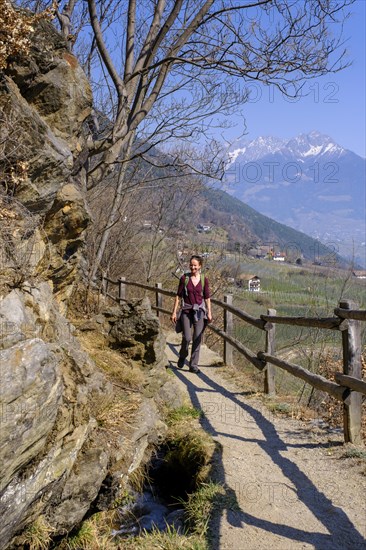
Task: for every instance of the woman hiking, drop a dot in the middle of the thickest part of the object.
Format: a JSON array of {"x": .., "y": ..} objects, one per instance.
[{"x": 194, "y": 296}]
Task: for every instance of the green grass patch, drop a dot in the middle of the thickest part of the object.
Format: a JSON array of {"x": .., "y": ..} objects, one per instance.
[
  {"x": 353, "y": 452},
  {"x": 209, "y": 497},
  {"x": 183, "y": 413},
  {"x": 83, "y": 538},
  {"x": 93, "y": 534},
  {"x": 200, "y": 505},
  {"x": 283, "y": 408},
  {"x": 167, "y": 540}
]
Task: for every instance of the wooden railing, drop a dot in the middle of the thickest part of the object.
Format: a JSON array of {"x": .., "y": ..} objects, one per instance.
[{"x": 349, "y": 388}]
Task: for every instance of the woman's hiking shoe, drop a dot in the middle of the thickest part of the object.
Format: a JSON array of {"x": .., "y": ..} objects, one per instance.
[{"x": 196, "y": 370}]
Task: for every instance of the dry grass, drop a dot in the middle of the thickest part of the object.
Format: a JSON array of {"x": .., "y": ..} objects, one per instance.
[
  {"x": 167, "y": 540},
  {"x": 122, "y": 407},
  {"x": 330, "y": 409},
  {"x": 93, "y": 534},
  {"x": 124, "y": 374},
  {"x": 37, "y": 536}
]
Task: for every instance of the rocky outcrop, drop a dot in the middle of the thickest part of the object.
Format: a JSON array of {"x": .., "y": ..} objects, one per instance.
[
  {"x": 44, "y": 99},
  {"x": 59, "y": 454},
  {"x": 48, "y": 385}
]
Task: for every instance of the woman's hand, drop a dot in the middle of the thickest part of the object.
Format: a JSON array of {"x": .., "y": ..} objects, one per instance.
[
  {"x": 175, "y": 309},
  {"x": 208, "y": 309}
]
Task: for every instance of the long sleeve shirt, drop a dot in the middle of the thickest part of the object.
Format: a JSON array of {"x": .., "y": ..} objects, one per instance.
[{"x": 192, "y": 294}]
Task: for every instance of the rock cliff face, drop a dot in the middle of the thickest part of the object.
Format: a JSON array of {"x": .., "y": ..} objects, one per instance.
[
  {"x": 64, "y": 443},
  {"x": 44, "y": 100},
  {"x": 61, "y": 446}
]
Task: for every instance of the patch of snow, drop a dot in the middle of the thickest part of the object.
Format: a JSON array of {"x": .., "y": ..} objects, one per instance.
[{"x": 313, "y": 151}]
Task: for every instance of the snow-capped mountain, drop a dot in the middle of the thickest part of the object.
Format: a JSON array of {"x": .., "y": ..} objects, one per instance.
[
  {"x": 309, "y": 183},
  {"x": 302, "y": 146},
  {"x": 257, "y": 148}
]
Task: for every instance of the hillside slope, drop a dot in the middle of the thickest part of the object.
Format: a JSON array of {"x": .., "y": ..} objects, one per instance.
[{"x": 248, "y": 227}]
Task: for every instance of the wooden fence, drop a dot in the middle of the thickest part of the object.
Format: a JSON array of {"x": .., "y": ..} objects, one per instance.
[{"x": 349, "y": 388}]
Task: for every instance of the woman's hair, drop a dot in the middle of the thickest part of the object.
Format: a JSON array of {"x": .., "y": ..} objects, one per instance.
[{"x": 198, "y": 258}]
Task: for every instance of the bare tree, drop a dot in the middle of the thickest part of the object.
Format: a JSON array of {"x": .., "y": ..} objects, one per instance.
[
  {"x": 173, "y": 69},
  {"x": 171, "y": 208},
  {"x": 156, "y": 208}
]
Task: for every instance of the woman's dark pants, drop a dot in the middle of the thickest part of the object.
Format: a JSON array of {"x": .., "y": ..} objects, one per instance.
[{"x": 188, "y": 322}]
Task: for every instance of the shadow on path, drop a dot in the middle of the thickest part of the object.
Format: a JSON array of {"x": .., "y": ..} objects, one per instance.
[{"x": 332, "y": 517}]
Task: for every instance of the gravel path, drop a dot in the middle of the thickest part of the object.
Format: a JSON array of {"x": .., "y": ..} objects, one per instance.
[{"x": 286, "y": 487}]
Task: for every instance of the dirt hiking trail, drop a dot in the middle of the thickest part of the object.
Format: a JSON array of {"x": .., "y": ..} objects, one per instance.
[{"x": 285, "y": 484}]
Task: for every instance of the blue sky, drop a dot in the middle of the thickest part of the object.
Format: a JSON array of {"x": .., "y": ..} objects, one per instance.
[{"x": 333, "y": 105}]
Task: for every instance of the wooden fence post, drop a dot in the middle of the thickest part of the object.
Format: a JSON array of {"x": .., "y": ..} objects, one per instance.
[
  {"x": 158, "y": 298},
  {"x": 352, "y": 409},
  {"x": 121, "y": 290},
  {"x": 269, "y": 371},
  {"x": 228, "y": 328}
]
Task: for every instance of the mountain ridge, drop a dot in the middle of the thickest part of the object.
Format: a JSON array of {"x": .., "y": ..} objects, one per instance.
[
  {"x": 318, "y": 144},
  {"x": 309, "y": 183},
  {"x": 249, "y": 228}
]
